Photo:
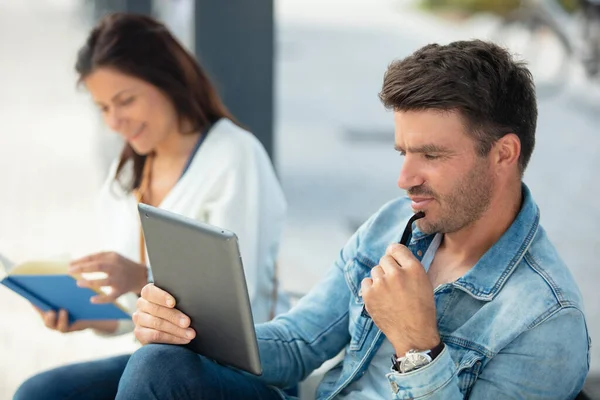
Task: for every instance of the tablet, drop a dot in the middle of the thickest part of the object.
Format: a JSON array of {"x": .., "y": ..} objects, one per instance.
[{"x": 200, "y": 265}]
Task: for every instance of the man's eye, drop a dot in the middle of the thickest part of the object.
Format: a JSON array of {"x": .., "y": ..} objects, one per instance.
[
  {"x": 431, "y": 157},
  {"x": 402, "y": 153}
]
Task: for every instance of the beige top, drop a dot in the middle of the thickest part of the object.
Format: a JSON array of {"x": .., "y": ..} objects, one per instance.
[{"x": 230, "y": 183}]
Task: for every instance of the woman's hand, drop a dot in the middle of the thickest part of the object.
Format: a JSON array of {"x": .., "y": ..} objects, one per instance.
[
  {"x": 123, "y": 275},
  {"x": 60, "y": 322},
  {"x": 158, "y": 321}
]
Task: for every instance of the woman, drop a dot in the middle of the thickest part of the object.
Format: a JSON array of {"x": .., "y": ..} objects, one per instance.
[{"x": 183, "y": 153}]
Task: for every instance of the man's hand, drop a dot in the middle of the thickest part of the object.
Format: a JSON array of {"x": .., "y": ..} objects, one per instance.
[
  {"x": 158, "y": 321},
  {"x": 60, "y": 322},
  {"x": 123, "y": 275},
  {"x": 399, "y": 298}
]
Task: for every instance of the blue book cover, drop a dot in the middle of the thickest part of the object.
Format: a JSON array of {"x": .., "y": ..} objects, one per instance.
[{"x": 48, "y": 286}]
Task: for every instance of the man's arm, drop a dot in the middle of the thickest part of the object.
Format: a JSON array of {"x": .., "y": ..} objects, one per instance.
[
  {"x": 315, "y": 330},
  {"x": 549, "y": 361}
]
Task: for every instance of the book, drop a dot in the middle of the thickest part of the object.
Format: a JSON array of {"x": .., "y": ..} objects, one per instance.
[{"x": 48, "y": 286}]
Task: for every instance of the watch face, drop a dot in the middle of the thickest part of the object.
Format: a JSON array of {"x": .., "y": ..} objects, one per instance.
[{"x": 414, "y": 361}]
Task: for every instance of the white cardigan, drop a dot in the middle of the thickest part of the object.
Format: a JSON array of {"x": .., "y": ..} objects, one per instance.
[{"x": 230, "y": 183}]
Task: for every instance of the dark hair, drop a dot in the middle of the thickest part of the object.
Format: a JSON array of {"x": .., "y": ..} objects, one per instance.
[
  {"x": 142, "y": 47},
  {"x": 494, "y": 94}
]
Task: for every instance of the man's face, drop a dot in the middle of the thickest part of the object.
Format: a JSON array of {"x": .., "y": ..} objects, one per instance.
[{"x": 442, "y": 173}]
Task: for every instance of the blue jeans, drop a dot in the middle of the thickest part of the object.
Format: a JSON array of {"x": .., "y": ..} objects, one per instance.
[
  {"x": 154, "y": 371},
  {"x": 163, "y": 372},
  {"x": 95, "y": 380}
]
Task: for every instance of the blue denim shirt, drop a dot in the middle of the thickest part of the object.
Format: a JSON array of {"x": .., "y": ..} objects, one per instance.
[{"x": 513, "y": 325}]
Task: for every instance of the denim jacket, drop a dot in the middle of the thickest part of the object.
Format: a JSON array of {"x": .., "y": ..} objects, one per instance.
[{"x": 513, "y": 325}]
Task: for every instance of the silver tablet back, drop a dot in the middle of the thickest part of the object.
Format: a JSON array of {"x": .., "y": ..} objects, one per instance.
[{"x": 200, "y": 265}]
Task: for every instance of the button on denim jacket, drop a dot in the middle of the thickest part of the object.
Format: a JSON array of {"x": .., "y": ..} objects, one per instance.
[{"x": 513, "y": 325}]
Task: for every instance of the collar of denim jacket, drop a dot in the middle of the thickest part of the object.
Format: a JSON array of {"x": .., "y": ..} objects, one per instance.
[{"x": 485, "y": 280}]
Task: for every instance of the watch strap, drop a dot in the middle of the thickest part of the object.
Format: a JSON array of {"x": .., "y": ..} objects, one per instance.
[{"x": 433, "y": 353}]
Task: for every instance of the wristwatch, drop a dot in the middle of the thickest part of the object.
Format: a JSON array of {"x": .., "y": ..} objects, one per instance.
[{"x": 415, "y": 359}]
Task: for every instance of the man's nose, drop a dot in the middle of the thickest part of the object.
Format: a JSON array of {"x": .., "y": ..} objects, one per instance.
[{"x": 409, "y": 174}]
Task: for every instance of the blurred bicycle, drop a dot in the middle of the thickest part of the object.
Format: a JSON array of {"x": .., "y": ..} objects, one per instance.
[{"x": 553, "y": 39}]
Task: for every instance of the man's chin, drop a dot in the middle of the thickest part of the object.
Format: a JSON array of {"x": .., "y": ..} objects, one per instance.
[{"x": 427, "y": 225}]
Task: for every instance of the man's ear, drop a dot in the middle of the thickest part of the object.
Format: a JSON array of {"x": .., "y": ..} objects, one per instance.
[{"x": 507, "y": 150}]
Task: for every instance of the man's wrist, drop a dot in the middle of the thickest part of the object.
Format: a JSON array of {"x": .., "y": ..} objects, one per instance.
[{"x": 422, "y": 345}]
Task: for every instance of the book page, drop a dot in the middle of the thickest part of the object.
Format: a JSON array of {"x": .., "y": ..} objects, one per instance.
[{"x": 42, "y": 267}]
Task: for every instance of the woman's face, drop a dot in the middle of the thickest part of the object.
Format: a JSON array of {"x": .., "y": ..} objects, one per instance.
[{"x": 134, "y": 108}]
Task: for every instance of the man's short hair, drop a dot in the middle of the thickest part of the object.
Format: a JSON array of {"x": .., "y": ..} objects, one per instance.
[{"x": 494, "y": 94}]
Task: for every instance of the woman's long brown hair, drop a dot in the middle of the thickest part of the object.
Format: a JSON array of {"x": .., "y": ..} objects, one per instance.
[{"x": 144, "y": 48}]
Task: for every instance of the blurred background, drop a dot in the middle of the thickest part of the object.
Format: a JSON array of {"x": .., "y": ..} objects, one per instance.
[{"x": 315, "y": 108}]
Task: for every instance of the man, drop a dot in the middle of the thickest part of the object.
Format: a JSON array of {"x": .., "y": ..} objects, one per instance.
[{"x": 477, "y": 305}]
